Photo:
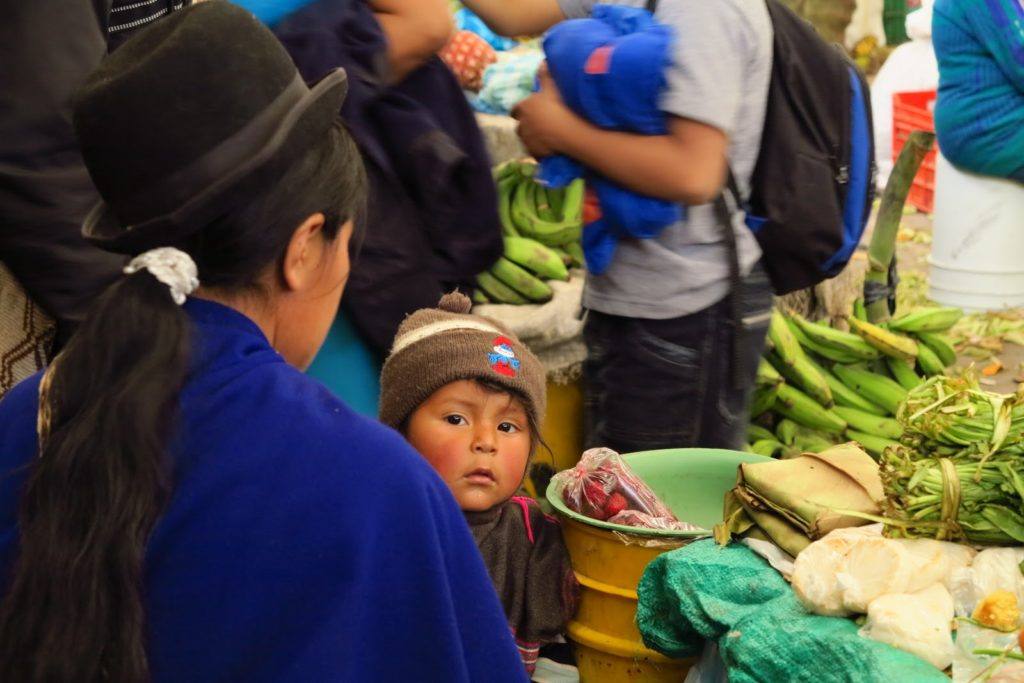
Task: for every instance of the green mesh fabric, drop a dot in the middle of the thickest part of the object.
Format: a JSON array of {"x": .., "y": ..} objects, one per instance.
[{"x": 732, "y": 596}]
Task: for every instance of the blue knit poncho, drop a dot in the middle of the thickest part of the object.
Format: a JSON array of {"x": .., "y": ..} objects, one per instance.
[
  {"x": 979, "y": 113},
  {"x": 610, "y": 69},
  {"x": 302, "y": 544}
]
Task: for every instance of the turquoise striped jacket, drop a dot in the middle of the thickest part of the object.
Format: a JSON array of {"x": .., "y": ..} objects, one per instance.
[{"x": 979, "y": 114}]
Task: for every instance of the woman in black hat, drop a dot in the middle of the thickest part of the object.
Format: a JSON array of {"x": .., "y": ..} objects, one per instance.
[{"x": 178, "y": 502}]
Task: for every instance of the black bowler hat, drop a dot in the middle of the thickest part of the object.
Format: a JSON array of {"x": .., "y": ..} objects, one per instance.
[{"x": 175, "y": 125}]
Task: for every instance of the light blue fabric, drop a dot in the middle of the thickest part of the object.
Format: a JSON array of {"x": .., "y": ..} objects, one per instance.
[
  {"x": 611, "y": 70},
  {"x": 508, "y": 81},
  {"x": 348, "y": 367},
  {"x": 272, "y": 11},
  {"x": 979, "y": 113}
]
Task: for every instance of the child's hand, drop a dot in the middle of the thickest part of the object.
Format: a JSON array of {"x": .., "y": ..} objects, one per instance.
[{"x": 543, "y": 117}]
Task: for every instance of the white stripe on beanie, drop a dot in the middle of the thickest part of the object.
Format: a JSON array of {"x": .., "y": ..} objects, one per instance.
[{"x": 431, "y": 329}]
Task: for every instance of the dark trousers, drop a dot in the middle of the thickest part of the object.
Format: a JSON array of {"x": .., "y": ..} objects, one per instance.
[{"x": 652, "y": 384}]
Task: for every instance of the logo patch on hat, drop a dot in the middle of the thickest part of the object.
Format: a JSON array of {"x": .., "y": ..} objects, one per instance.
[{"x": 503, "y": 359}]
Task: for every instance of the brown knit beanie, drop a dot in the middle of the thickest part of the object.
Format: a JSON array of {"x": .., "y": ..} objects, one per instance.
[{"x": 438, "y": 346}]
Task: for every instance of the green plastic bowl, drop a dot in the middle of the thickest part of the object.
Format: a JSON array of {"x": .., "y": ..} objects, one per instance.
[{"x": 692, "y": 482}]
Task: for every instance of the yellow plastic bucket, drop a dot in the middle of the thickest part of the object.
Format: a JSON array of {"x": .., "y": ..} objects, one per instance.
[
  {"x": 563, "y": 426},
  {"x": 562, "y": 431},
  {"x": 608, "y": 645},
  {"x": 609, "y": 649}
]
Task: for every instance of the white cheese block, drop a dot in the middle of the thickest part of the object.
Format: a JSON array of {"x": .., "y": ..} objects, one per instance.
[
  {"x": 919, "y": 623},
  {"x": 935, "y": 562},
  {"x": 873, "y": 567},
  {"x": 814, "y": 575}
]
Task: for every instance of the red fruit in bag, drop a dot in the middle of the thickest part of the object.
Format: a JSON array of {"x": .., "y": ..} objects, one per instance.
[
  {"x": 616, "y": 504},
  {"x": 594, "y": 494},
  {"x": 593, "y": 500},
  {"x": 602, "y": 486}
]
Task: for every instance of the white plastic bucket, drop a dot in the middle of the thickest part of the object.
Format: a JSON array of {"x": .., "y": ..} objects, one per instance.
[{"x": 977, "y": 260}]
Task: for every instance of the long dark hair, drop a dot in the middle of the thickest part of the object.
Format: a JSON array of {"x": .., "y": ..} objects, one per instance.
[{"x": 74, "y": 608}]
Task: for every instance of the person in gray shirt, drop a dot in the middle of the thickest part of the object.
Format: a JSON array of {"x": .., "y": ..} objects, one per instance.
[{"x": 668, "y": 364}]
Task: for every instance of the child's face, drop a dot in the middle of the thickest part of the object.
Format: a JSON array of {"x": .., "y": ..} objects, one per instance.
[{"x": 477, "y": 439}]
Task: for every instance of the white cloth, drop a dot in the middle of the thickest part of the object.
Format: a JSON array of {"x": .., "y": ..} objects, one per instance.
[
  {"x": 171, "y": 266},
  {"x": 919, "y": 22},
  {"x": 549, "y": 671}
]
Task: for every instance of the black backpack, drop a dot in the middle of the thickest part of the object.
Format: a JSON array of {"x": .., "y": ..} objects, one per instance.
[{"x": 814, "y": 180}]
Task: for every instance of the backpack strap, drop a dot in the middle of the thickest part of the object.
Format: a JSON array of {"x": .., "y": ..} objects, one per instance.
[{"x": 735, "y": 278}]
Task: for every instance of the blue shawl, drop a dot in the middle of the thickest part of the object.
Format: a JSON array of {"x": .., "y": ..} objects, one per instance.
[{"x": 302, "y": 542}]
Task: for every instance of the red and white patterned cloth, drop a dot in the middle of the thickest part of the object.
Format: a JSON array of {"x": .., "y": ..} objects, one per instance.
[{"x": 468, "y": 55}]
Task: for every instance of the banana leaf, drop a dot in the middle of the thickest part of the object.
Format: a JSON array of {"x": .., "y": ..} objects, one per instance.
[
  {"x": 762, "y": 525},
  {"x": 802, "y": 499},
  {"x": 775, "y": 526}
]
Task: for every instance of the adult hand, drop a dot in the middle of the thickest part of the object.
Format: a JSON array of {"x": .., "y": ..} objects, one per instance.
[
  {"x": 415, "y": 32},
  {"x": 543, "y": 118}
]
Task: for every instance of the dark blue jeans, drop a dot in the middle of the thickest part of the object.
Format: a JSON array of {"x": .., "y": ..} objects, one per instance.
[{"x": 653, "y": 384}]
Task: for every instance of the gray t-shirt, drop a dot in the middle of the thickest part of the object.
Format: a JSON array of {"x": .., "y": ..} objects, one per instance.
[{"x": 720, "y": 75}]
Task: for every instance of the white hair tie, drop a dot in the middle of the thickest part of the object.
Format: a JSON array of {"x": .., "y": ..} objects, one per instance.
[{"x": 171, "y": 266}]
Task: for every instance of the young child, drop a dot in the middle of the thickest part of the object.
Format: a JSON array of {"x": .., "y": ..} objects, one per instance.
[{"x": 469, "y": 397}]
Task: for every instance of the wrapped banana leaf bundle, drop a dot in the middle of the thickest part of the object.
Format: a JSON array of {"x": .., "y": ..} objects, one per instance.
[
  {"x": 953, "y": 417},
  {"x": 796, "y": 501},
  {"x": 954, "y": 499}
]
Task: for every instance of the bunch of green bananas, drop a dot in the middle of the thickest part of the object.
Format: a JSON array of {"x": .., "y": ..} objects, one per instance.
[
  {"x": 817, "y": 384},
  {"x": 541, "y": 227}
]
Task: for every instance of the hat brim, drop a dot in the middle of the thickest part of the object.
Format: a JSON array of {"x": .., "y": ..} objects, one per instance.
[{"x": 297, "y": 130}]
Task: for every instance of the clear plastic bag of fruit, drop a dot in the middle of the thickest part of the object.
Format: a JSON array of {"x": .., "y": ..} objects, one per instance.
[{"x": 602, "y": 486}]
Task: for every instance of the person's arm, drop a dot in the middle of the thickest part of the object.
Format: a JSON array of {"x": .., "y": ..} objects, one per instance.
[
  {"x": 702, "y": 101},
  {"x": 688, "y": 165},
  {"x": 517, "y": 17},
  {"x": 415, "y": 29}
]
